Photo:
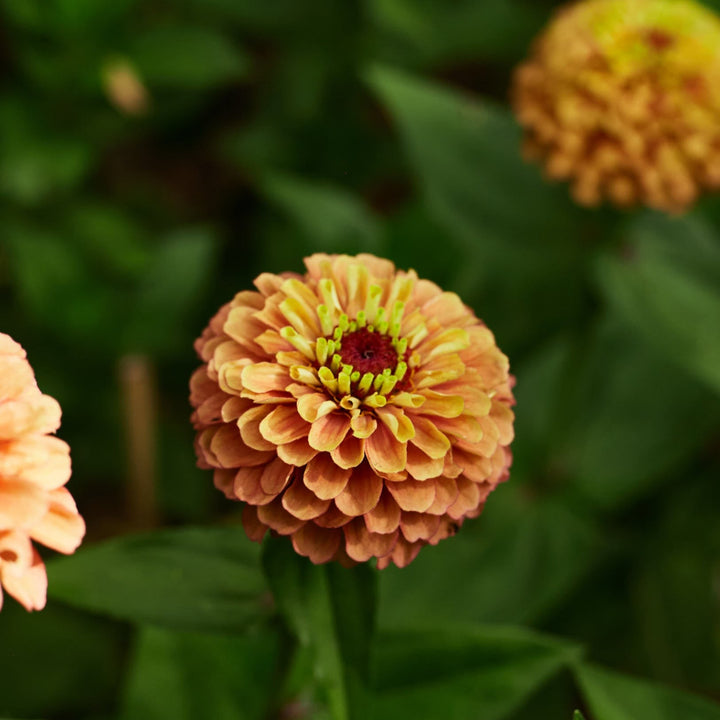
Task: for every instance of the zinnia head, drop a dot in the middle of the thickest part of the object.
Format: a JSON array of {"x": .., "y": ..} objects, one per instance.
[
  {"x": 357, "y": 409},
  {"x": 34, "y": 467},
  {"x": 622, "y": 98}
]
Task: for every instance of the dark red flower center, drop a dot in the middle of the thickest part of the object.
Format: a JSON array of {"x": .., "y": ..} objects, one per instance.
[
  {"x": 659, "y": 39},
  {"x": 368, "y": 351}
]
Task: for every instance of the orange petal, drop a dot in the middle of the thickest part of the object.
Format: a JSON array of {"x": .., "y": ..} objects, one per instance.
[
  {"x": 29, "y": 588},
  {"x": 276, "y": 475},
  {"x": 224, "y": 481},
  {"x": 333, "y": 518},
  {"x": 209, "y": 411},
  {"x": 446, "y": 492},
  {"x": 275, "y": 516},
  {"x": 230, "y": 450},
  {"x": 452, "y": 340},
  {"x": 503, "y": 417},
  {"x": 421, "y": 467},
  {"x": 41, "y": 460},
  {"x": 302, "y": 503},
  {"x": 246, "y": 486},
  {"x": 298, "y": 452},
  {"x": 62, "y": 528},
  {"x": 361, "y": 545},
  {"x": 254, "y": 529},
  {"x": 436, "y": 403},
  {"x": 22, "y": 504},
  {"x": 318, "y": 544},
  {"x": 283, "y": 425},
  {"x": 350, "y": 452},
  {"x": 385, "y": 516},
  {"x": 397, "y": 422},
  {"x": 234, "y": 407},
  {"x": 467, "y": 500},
  {"x": 324, "y": 478},
  {"x": 249, "y": 426},
  {"x": 315, "y": 405},
  {"x": 362, "y": 492},
  {"x": 418, "y": 526},
  {"x": 363, "y": 425},
  {"x": 403, "y": 553},
  {"x": 463, "y": 427},
  {"x": 265, "y": 377},
  {"x": 413, "y": 494},
  {"x": 384, "y": 453},
  {"x": 329, "y": 431},
  {"x": 448, "y": 309},
  {"x": 429, "y": 439}
]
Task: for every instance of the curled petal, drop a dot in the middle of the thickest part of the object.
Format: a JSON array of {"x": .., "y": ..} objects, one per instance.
[
  {"x": 384, "y": 453},
  {"x": 329, "y": 431},
  {"x": 302, "y": 503},
  {"x": 275, "y": 516},
  {"x": 275, "y": 476},
  {"x": 418, "y": 526},
  {"x": 324, "y": 478},
  {"x": 363, "y": 425},
  {"x": 349, "y": 453},
  {"x": 318, "y": 544},
  {"x": 361, "y": 493},
  {"x": 264, "y": 377},
  {"x": 361, "y": 544},
  {"x": 297, "y": 453},
  {"x": 249, "y": 425},
  {"x": 283, "y": 425}
]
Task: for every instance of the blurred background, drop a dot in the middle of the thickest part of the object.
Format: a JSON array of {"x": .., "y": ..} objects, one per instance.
[{"x": 156, "y": 156}]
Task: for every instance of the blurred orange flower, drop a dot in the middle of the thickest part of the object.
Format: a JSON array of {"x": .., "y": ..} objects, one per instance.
[
  {"x": 622, "y": 98},
  {"x": 357, "y": 409},
  {"x": 34, "y": 467}
]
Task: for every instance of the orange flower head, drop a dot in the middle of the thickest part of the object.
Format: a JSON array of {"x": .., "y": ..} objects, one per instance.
[
  {"x": 357, "y": 409},
  {"x": 34, "y": 467},
  {"x": 622, "y": 98}
]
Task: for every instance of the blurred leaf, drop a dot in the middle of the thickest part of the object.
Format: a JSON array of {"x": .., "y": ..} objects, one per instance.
[
  {"x": 330, "y": 609},
  {"x": 462, "y": 671},
  {"x": 612, "y": 696},
  {"x": 187, "y": 57},
  {"x": 176, "y": 275},
  {"x": 332, "y": 219},
  {"x": 630, "y": 418},
  {"x": 199, "y": 579},
  {"x": 515, "y": 563},
  {"x": 58, "y": 662},
  {"x": 669, "y": 290},
  {"x": 186, "y": 676},
  {"x": 578, "y": 715}
]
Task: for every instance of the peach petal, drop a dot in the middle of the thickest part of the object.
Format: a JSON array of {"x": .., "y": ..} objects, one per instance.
[
  {"x": 230, "y": 450},
  {"x": 62, "y": 528},
  {"x": 418, "y": 526},
  {"x": 40, "y": 415},
  {"x": 463, "y": 427},
  {"x": 429, "y": 439},
  {"x": 276, "y": 517},
  {"x": 467, "y": 500},
  {"x": 448, "y": 309},
  {"x": 397, "y": 422},
  {"x": 313, "y": 406},
  {"x": 436, "y": 403},
  {"x": 224, "y": 481},
  {"x": 361, "y": 545},
  {"x": 265, "y": 377},
  {"x": 302, "y": 503},
  {"x": 363, "y": 425},
  {"x": 384, "y": 518},
  {"x": 452, "y": 340},
  {"x": 413, "y": 495},
  {"x": 268, "y": 283},
  {"x": 489, "y": 441},
  {"x": 332, "y": 518},
  {"x": 384, "y": 453},
  {"x": 503, "y": 417},
  {"x": 30, "y": 588},
  {"x": 438, "y": 371},
  {"x": 283, "y": 425},
  {"x": 422, "y": 467},
  {"x": 349, "y": 453},
  {"x": 329, "y": 431},
  {"x": 254, "y": 529},
  {"x": 246, "y": 486},
  {"x": 41, "y": 460},
  {"x": 318, "y": 544},
  {"x": 402, "y": 555},
  {"x": 21, "y": 504},
  {"x": 362, "y": 492},
  {"x": 276, "y": 476},
  {"x": 272, "y": 342},
  {"x": 298, "y": 452},
  {"x": 234, "y": 407},
  {"x": 446, "y": 492},
  {"x": 249, "y": 425},
  {"x": 324, "y": 478},
  {"x": 210, "y": 410}
]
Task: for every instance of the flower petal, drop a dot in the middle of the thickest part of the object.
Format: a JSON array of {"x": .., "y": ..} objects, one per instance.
[
  {"x": 363, "y": 425},
  {"x": 418, "y": 526},
  {"x": 397, "y": 422},
  {"x": 298, "y": 452},
  {"x": 302, "y": 503},
  {"x": 276, "y": 475},
  {"x": 422, "y": 467},
  {"x": 384, "y": 453},
  {"x": 265, "y": 377},
  {"x": 446, "y": 492},
  {"x": 413, "y": 494},
  {"x": 62, "y": 528},
  {"x": 384, "y": 518},
  {"x": 318, "y": 544},
  {"x": 349, "y": 453},
  {"x": 254, "y": 529},
  {"x": 361, "y": 493},
  {"x": 230, "y": 450},
  {"x": 246, "y": 486},
  {"x": 324, "y": 478},
  {"x": 276, "y": 517},
  {"x": 467, "y": 500},
  {"x": 249, "y": 425},
  {"x": 283, "y": 425},
  {"x": 429, "y": 439},
  {"x": 361, "y": 545},
  {"x": 329, "y": 431}
]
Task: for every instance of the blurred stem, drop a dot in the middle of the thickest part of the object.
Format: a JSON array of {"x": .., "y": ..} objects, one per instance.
[{"x": 139, "y": 394}]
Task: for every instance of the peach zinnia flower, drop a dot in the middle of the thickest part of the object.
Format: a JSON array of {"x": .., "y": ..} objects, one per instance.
[
  {"x": 34, "y": 467},
  {"x": 357, "y": 409},
  {"x": 622, "y": 98}
]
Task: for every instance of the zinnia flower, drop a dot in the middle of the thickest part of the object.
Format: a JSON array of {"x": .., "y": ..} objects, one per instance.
[
  {"x": 622, "y": 98},
  {"x": 34, "y": 467},
  {"x": 357, "y": 409}
]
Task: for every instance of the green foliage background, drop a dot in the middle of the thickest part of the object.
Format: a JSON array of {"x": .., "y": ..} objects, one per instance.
[{"x": 280, "y": 128}]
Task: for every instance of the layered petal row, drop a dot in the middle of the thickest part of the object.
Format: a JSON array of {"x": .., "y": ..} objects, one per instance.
[{"x": 357, "y": 409}]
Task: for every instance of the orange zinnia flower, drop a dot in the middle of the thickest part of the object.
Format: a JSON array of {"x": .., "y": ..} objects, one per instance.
[
  {"x": 622, "y": 98},
  {"x": 34, "y": 467},
  {"x": 357, "y": 409}
]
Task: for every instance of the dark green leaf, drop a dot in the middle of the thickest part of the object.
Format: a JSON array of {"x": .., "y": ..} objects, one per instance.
[
  {"x": 462, "y": 671},
  {"x": 330, "y": 609},
  {"x": 186, "y": 676},
  {"x": 186, "y": 57},
  {"x": 201, "y": 578},
  {"x": 612, "y": 696}
]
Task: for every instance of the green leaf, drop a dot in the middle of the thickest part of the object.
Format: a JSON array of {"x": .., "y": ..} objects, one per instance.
[
  {"x": 185, "y": 676},
  {"x": 612, "y": 696},
  {"x": 578, "y": 715},
  {"x": 330, "y": 609},
  {"x": 514, "y": 564},
  {"x": 668, "y": 290},
  {"x": 199, "y": 579},
  {"x": 462, "y": 671},
  {"x": 332, "y": 219},
  {"x": 186, "y": 57}
]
